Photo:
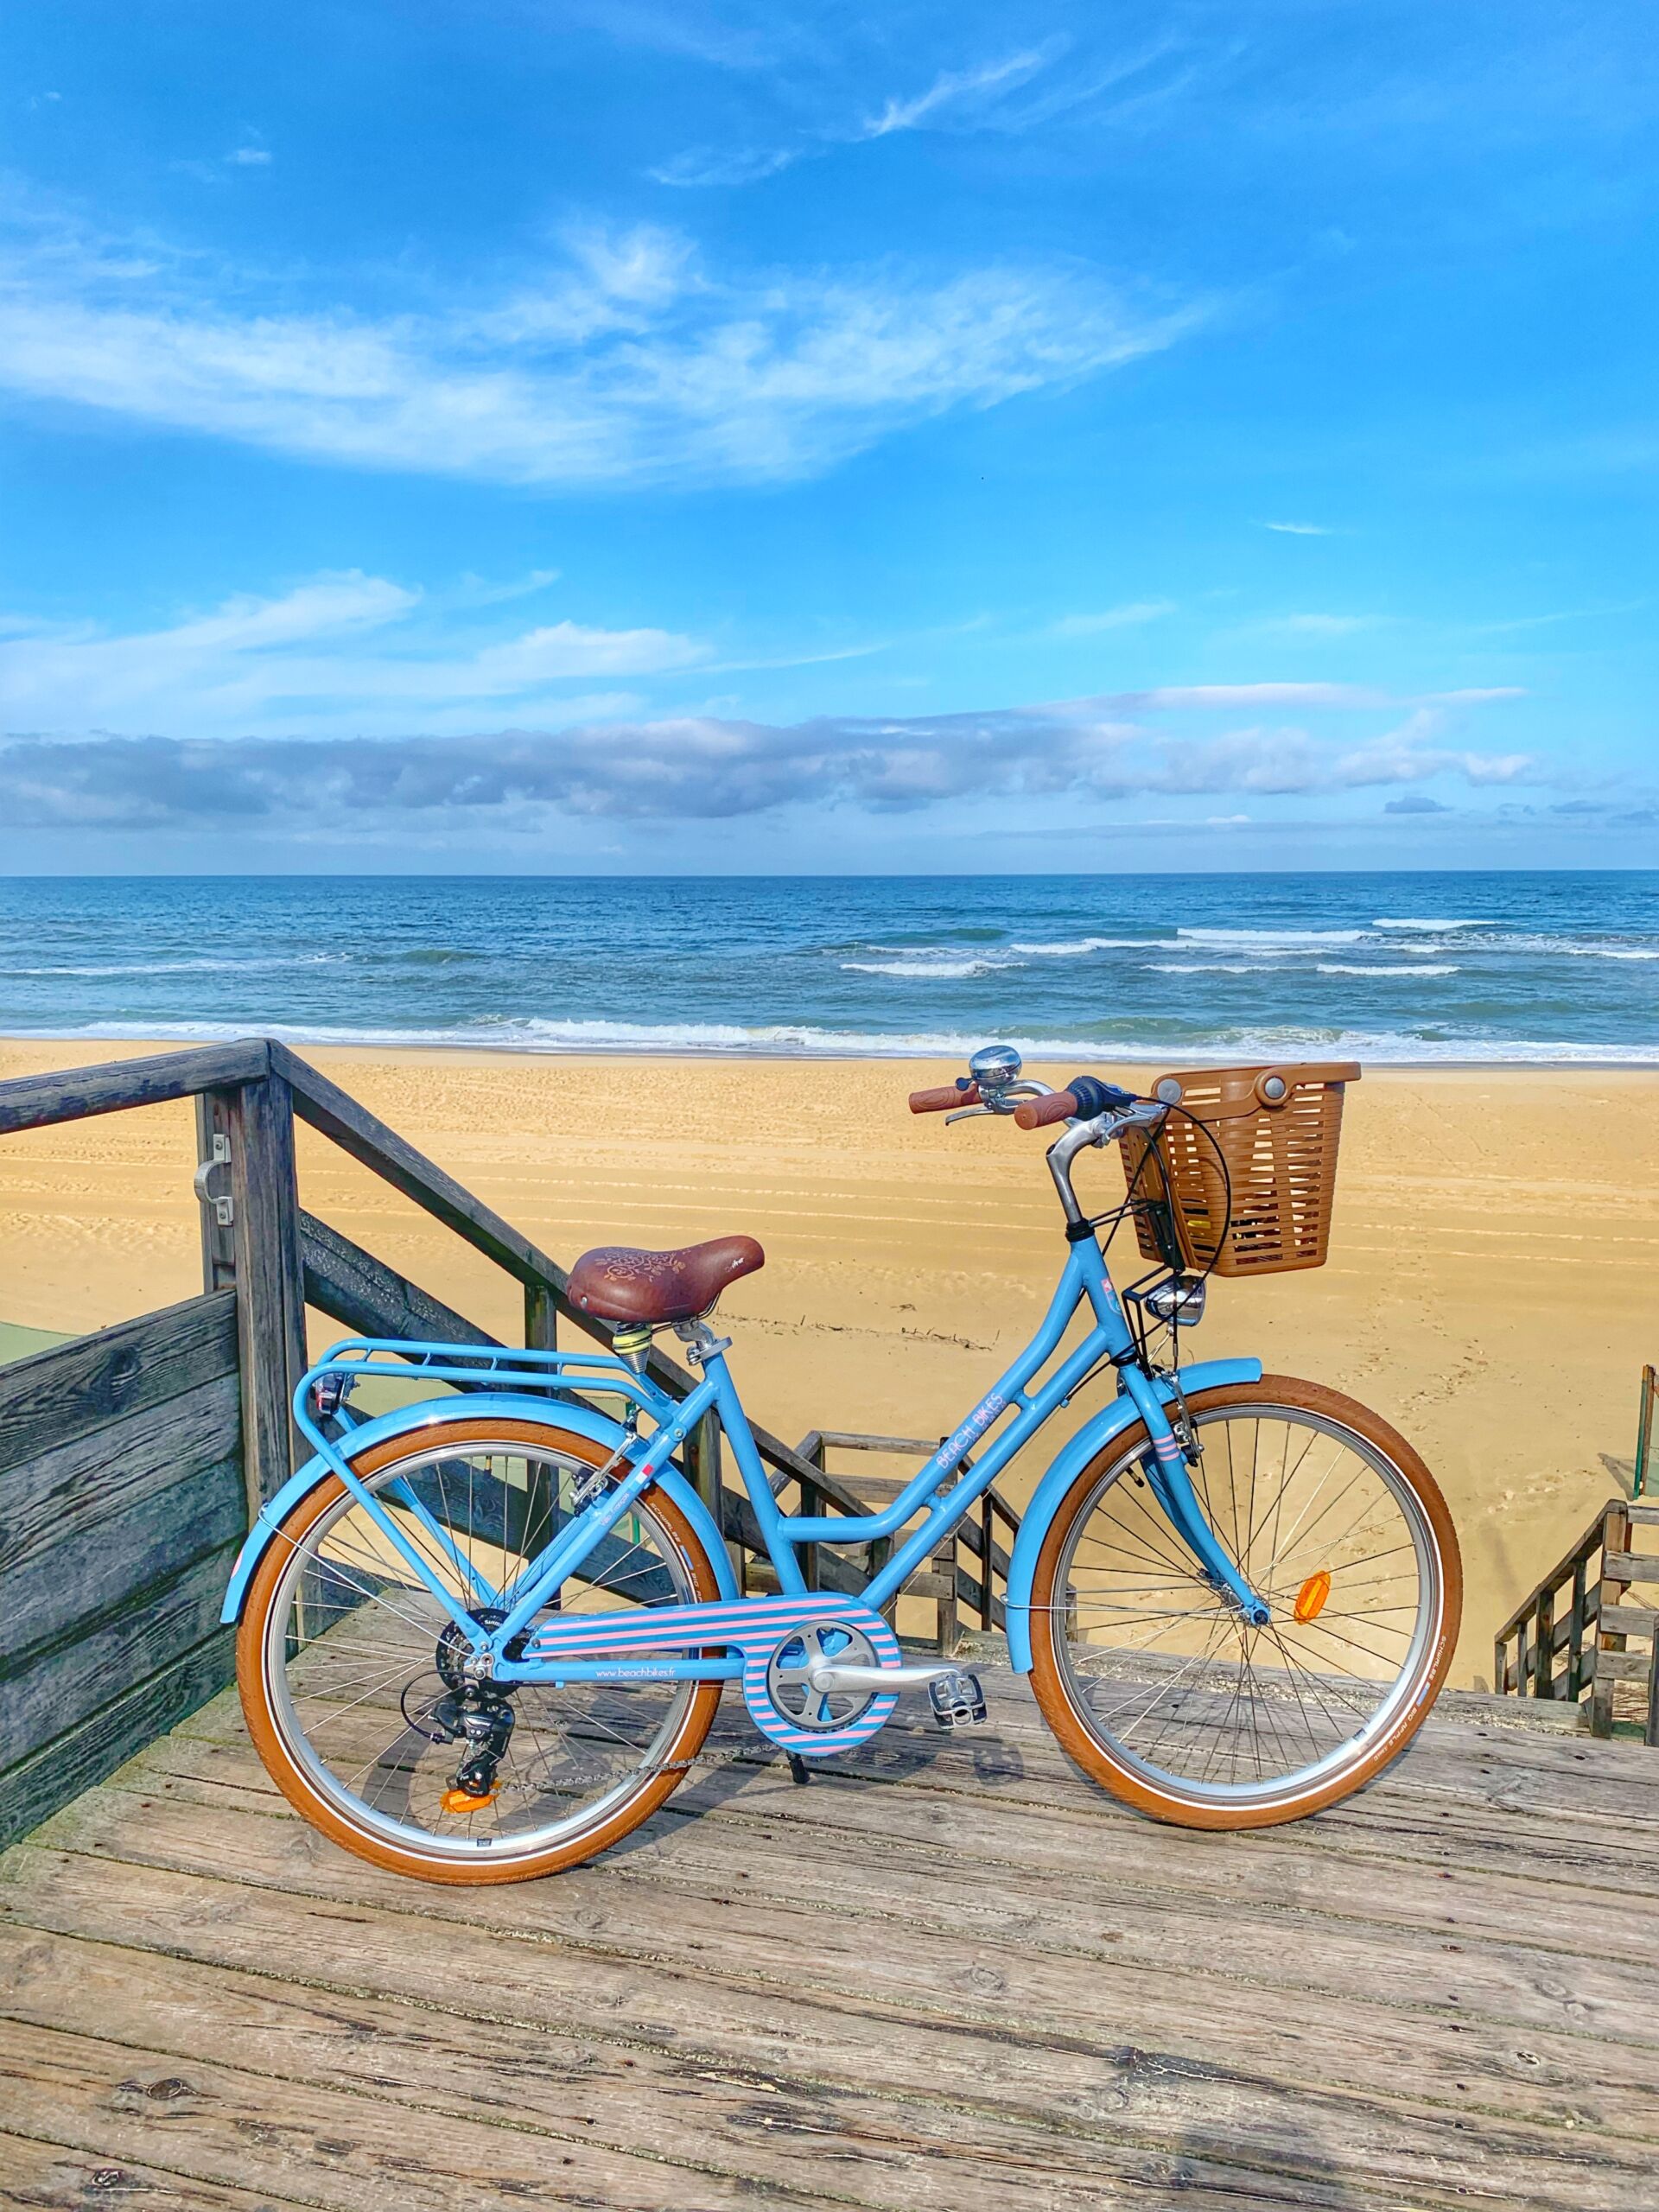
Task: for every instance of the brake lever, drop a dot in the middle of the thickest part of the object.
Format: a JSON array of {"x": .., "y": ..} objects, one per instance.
[{"x": 965, "y": 1113}]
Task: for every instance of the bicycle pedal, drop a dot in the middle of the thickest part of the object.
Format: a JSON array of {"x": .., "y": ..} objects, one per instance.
[{"x": 957, "y": 1699}]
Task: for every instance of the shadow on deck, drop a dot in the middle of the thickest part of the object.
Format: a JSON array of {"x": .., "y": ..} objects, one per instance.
[{"x": 948, "y": 1976}]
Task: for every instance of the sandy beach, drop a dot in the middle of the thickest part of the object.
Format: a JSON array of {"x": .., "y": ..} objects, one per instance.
[{"x": 1490, "y": 1287}]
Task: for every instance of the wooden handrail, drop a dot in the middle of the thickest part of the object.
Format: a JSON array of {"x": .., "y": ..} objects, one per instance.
[
  {"x": 1580, "y": 1555},
  {"x": 36, "y": 1101}
]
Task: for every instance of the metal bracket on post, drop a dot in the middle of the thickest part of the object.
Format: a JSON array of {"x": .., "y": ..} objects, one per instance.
[{"x": 223, "y": 1205}]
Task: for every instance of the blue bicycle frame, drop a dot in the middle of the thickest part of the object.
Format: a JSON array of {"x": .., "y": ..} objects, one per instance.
[{"x": 574, "y": 1376}]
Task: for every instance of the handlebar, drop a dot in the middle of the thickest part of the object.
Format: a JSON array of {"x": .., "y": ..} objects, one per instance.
[
  {"x": 1037, "y": 1112},
  {"x": 943, "y": 1100}
]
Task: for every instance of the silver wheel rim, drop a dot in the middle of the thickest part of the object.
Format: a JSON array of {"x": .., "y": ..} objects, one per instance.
[
  {"x": 345, "y": 1677},
  {"x": 1168, "y": 1680}
]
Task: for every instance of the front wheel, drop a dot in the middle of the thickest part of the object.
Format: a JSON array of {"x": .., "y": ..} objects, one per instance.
[{"x": 1150, "y": 1675}]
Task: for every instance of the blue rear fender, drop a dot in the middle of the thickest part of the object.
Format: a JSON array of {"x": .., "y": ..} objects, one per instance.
[
  {"x": 478, "y": 1405},
  {"x": 1089, "y": 1442}
]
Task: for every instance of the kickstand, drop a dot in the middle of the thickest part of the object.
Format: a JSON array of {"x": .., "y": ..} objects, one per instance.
[{"x": 798, "y": 1769}]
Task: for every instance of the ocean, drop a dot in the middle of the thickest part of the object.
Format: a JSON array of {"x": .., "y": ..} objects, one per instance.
[{"x": 1457, "y": 966}]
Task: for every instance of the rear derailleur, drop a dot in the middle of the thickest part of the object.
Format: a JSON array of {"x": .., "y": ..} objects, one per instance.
[{"x": 472, "y": 1711}]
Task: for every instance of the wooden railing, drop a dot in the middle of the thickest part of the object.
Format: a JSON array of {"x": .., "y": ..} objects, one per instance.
[
  {"x": 1571, "y": 1639},
  {"x": 967, "y": 1566},
  {"x": 181, "y": 1421}
]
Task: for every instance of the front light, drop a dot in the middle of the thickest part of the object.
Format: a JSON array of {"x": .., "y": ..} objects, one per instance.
[{"x": 1180, "y": 1301}]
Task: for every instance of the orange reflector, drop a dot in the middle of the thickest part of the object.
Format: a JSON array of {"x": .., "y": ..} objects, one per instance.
[
  {"x": 463, "y": 1801},
  {"x": 1310, "y": 1598}
]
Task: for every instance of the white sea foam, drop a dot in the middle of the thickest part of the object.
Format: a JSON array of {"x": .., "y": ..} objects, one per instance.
[
  {"x": 1220, "y": 1046},
  {"x": 1354, "y": 968},
  {"x": 1074, "y": 948},
  {"x": 929, "y": 969},
  {"x": 188, "y": 967},
  {"x": 1271, "y": 943},
  {"x": 1412, "y": 922}
]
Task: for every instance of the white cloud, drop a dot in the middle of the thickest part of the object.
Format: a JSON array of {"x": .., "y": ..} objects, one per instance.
[
  {"x": 626, "y": 362},
  {"x": 305, "y": 658},
  {"x": 956, "y": 87},
  {"x": 711, "y": 766},
  {"x": 1113, "y": 618},
  {"x": 1299, "y": 529},
  {"x": 249, "y": 157},
  {"x": 1315, "y": 625}
]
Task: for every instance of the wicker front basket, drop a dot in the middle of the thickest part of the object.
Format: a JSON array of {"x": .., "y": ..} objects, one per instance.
[{"x": 1277, "y": 1128}]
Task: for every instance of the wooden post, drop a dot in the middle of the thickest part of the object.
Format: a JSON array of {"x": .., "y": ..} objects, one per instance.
[
  {"x": 702, "y": 1459},
  {"x": 1543, "y": 1656},
  {"x": 1615, "y": 1538},
  {"x": 1575, "y": 1637},
  {"x": 265, "y": 1228},
  {"x": 541, "y": 1318}
]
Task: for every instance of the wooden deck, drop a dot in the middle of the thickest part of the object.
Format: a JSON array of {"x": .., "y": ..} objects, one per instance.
[{"x": 951, "y": 1976}]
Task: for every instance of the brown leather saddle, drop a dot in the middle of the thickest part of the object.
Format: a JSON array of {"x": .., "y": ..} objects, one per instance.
[{"x": 617, "y": 1283}]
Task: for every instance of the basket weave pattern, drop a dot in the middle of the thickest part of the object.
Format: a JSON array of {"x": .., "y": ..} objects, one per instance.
[{"x": 1277, "y": 1129}]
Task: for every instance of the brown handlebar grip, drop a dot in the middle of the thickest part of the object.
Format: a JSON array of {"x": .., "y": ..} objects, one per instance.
[
  {"x": 1037, "y": 1112},
  {"x": 942, "y": 1101}
]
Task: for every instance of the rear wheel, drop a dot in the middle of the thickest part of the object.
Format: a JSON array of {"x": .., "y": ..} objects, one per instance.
[
  {"x": 1151, "y": 1677},
  {"x": 349, "y": 1668}
]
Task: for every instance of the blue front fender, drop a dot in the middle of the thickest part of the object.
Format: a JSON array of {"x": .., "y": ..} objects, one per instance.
[
  {"x": 1089, "y": 1442},
  {"x": 482, "y": 1405}
]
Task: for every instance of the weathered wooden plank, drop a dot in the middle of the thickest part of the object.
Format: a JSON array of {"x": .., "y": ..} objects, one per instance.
[
  {"x": 1630, "y": 1620},
  {"x": 269, "y": 1279},
  {"x": 368, "y": 1298},
  {"x": 51, "y": 1689},
  {"x": 115, "y": 1511},
  {"x": 331, "y": 2149},
  {"x": 623, "y": 1961},
  {"x": 31, "y": 1102},
  {"x": 990, "y": 1986},
  {"x": 39, "y": 1785},
  {"x": 53, "y": 1397},
  {"x": 913, "y": 1881},
  {"x": 1630, "y": 1567},
  {"x": 48, "y": 2178},
  {"x": 928, "y": 2156},
  {"x": 1088, "y": 1849}
]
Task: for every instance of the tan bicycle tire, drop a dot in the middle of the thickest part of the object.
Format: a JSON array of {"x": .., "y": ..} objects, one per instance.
[
  {"x": 252, "y": 1683},
  {"x": 1049, "y": 1676}
]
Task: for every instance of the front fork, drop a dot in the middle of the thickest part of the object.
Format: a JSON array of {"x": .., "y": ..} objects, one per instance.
[{"x": 1171, "y": 1483}]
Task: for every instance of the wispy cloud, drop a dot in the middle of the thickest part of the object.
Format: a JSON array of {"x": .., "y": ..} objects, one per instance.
[
  {"x": 627, "y": 362},
  {"x": 342, "y": 649},
  {"x": 1130, "y": 616},
  {"x": 954, "y": 89},
  {"x": 710, "y": 767},
  {"x": 1299, "y": 529},
  {"x": 1013, "y": 93}
]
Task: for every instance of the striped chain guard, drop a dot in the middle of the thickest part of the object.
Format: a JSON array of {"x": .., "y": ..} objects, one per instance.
[{"x": 755, "y": 1627}]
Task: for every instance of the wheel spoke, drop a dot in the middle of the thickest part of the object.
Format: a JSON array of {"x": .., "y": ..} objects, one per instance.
[{"x": 1170, "y": 1678}]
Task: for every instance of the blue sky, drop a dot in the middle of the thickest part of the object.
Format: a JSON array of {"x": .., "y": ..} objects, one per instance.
[{"x": 758, "y": 437}]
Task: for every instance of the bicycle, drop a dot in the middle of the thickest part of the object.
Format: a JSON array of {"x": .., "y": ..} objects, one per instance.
[{"x": 483, "y": 1636}]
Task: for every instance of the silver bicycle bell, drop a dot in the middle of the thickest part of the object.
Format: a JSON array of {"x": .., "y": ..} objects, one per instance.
[{"x": 992, "y": 1069}]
